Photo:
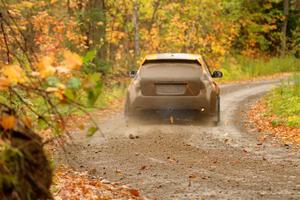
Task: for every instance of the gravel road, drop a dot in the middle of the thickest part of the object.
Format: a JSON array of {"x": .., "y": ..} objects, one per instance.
[{"x": 193, "y": 161}]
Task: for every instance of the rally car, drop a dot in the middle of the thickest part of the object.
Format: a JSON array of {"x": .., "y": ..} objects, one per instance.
[{"x": 173, "y": 82}]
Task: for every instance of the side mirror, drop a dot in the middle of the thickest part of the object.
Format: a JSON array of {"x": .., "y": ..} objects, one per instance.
[
  {"x": 217, "y": 74},
  {"x": 132, "y": 73}
]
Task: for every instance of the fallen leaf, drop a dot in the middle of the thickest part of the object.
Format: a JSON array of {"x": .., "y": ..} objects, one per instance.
[
  {"x": 134, "y": 192},
  {"x": 192, "y": 176}
]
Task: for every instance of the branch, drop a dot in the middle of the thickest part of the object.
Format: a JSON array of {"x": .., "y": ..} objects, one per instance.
[
  {"x": 90, "y": 116},
  {"x": 5, "y": 38},
  {"x": 30, "y": 108},
  {"x": 13, "y": 31}
]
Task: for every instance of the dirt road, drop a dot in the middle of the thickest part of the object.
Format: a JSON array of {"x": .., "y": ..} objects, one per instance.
[{"x": 183, "y": 161}]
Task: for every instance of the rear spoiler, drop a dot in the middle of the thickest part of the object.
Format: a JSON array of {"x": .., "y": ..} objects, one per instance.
[{"x": 171, "y": 60}]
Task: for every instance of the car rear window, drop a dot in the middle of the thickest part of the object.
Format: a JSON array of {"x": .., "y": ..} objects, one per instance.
[{"x": 166, "y": 68}]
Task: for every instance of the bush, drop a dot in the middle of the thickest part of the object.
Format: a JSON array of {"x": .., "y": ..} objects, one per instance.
[
  {"x": 239, "y": 67},
  {"x": 284, "y": 102}
]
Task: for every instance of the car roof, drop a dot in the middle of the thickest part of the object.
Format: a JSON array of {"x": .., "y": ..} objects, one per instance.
[{"x": 172, "y": 56}]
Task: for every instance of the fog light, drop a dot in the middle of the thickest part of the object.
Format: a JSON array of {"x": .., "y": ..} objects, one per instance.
[{"x": 202, "y": 109}]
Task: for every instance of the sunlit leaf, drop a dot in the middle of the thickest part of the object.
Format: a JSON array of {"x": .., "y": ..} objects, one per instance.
[
  {"x": 72, "y": 60},
  {"x": 45, "y": 67},
  {"x": 4, "y": 83},
  {"x": 52, "y": 89},
  {"x": 26, "y": 4},
  {"x": 62, "y": 70},
  {"x": 14, "y": 73}
]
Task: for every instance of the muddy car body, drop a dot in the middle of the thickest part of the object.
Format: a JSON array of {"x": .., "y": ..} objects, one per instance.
[{"x": 173, "y": 82}]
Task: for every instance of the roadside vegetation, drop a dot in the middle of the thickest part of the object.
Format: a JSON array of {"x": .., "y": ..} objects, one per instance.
[
  {"x": 244, "y": 68},
  {"x": 278, "y": 113},
  {"x": 284, "y": 102}
]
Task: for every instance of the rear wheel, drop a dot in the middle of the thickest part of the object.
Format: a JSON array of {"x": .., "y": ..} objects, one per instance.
[{"x": 217, "y": 117}]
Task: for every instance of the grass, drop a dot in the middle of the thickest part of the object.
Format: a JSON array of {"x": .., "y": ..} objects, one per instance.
[
  {"x": 242, "y": 68},
  {"x": 284, "y": 102}
]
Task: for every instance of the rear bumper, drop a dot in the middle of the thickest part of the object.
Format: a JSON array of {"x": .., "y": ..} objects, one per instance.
[{"x": 139, "y": 102}]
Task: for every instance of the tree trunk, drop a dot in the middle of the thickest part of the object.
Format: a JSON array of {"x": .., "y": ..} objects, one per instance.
[
  {"x": 5, "y": 39},
  {"x": 96, "y": 30},
  {"x": 284, "y": 26},
  {"x": 29, "y": 38},
  {"x": 297, "y": 5},
  {"x": 156, "y": 5},
  {"x": 70, "y": 11},
  {"x": 136, "y": 30}
]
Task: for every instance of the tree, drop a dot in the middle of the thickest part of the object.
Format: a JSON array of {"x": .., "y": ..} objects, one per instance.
[
  {"x": 37, "y": 89},
  {"x": 284, "y": 26},
  {"x": 136, "y": 30},
  {"x": 92, "y": 19}
]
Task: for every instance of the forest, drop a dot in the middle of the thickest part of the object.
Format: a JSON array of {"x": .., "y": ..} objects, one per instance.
[
  {"x": 115, "y": 30},
  {"x": 63, "y": 57}
]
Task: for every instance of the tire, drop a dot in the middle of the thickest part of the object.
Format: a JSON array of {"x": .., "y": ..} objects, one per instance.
[{"x": 217, "y": 117}]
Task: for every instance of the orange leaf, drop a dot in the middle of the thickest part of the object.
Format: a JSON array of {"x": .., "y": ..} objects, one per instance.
[
  {"x": 4, "y": 83},
  {"x": 8, "y": 122},
  {"x": 45, "y": 67},
  {"x": 134, "y": 192},
  {"x": 14, "y": 73},
  {"x": 72, "y": 60}
]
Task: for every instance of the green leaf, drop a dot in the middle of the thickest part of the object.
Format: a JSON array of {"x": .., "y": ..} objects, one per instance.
[
  {"x": 92, "y": 131},
  {"x": 74, "y": 83},
  {"x": 52, "y": 81},
  {"x": 94, "y": 88},
  {"x": 95, "y": 78},
  {"x": 89, "y": 56},
  {"x": 42, "y": 124},
  {"x": 57, "y": 129},
  {"x": 93, "y": 95},
  {"x": 69, "y": 93}
]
